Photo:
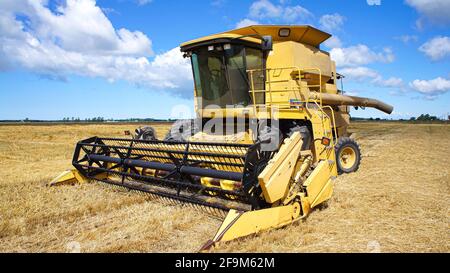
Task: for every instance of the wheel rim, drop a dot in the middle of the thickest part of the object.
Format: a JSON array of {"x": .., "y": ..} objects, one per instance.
[{"x": 347, "y": 157}]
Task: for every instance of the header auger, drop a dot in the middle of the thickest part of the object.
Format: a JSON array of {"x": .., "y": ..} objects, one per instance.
[{"x": 269, "y": 137}]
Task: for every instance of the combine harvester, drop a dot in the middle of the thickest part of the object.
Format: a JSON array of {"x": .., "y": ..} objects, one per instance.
[{"x": 288, "y": 138}]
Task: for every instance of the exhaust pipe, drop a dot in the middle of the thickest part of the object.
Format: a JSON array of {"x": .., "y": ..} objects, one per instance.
[{"x": 336, "y": 99}]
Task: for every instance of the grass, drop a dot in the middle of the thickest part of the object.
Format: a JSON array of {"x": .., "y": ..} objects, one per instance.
[{"x": 397, "y": 202}]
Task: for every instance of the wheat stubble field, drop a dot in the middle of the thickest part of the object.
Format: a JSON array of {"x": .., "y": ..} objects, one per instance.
[{"x": 397, "y": 202}]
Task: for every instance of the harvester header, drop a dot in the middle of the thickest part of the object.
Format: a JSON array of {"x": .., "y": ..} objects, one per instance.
[{"x": 269, "y": 137}]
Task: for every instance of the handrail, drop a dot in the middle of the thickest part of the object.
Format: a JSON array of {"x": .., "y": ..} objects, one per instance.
[
  {"x": 300, "y": 71},
  {"x": 269, "y": 82}
]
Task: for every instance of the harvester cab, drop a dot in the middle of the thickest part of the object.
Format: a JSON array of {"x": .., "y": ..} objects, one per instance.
[{"x": 269, "y": 137}]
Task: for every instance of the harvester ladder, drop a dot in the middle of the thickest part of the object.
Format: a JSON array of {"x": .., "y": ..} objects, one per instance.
[{"x": 323, "y": 116}]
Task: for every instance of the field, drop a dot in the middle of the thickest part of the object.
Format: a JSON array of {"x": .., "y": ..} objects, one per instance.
[{"x": 398, "y": 201}]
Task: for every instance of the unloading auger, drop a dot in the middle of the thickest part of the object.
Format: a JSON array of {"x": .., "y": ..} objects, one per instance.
[{"x": 278, "y": 162}]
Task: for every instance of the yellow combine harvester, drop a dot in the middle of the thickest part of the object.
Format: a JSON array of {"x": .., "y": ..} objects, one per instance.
[{"x": 269, "y": 138}]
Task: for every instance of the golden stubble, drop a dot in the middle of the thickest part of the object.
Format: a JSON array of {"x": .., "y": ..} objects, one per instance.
[{"x": 398, "y": 201}]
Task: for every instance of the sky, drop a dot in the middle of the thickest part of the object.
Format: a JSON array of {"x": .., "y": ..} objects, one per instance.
[{"x": 120, "y": 58}]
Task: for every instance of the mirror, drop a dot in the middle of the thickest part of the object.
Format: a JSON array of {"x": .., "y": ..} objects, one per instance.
[{"x": 267, "y": 43}]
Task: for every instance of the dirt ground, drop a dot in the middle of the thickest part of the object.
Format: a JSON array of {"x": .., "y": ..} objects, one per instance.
[{"x": 397, "y": 202}]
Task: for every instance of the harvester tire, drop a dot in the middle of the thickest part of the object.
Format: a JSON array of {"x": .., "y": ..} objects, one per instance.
[
  {"x": 348, "y": 155},
  {"x": 145, "y": 133},
  {"x": 306, "y": 136},
  {"x": 181, "y": 130},
  {"x": 270, "y": 136}
]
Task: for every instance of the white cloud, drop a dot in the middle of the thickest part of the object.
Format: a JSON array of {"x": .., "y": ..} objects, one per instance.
[
  {"x": 359, "y": 73},
  {"x": 295, "y": 13},
  {"x": 431, "y": 88},
  {"x": 78, "y": 39},
  {"x": 392, "y": 82},
  {"x": 360, "y": 55},
  {"x": 352, "y": 93},
  {"x": 407, "y": 38},
  {"x": 437, "y": 48},
  {"x": 143, "y": 2},
  {"x": 433, "y": 11},
  {"x": 362, "y": 73},
  {"x": 331, "y": 22},
  {"x": 373, "y": 2},
  {"x": 79, "y": 25},
  {"x": 218, "y": 3},
  {"x": 245, "y": 23},
  {"x": 265, "y": 9},
  {"x": 333, "y": 42}
]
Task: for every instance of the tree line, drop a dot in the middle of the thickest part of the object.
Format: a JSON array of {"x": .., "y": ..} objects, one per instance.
[
  {"x": 73, "y": 119},
  {"x": 421, "y": 118},
  {"x": 424, "y": 117}
]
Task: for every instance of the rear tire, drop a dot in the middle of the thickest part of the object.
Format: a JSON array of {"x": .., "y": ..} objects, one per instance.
[
  {"x": 348, "y": 155},
  {"x": 145, "y": 133},
  {"x": 182, "y": 130}
]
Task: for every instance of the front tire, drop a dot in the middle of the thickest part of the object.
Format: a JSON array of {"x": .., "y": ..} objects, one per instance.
[
  {"x": 348, "y": 155},
  {"x": 145, "y": 133},
  {"x": 182, "y": 130}
]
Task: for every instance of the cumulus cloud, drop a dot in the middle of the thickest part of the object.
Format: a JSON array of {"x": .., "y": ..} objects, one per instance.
[
  {"x": 392, "y": 82},
  {"x": 246, "y": 22},
  {"x": 437, "y": 48},
  {"x": 265, "y": 9},
  {"x": 78, "y": 39},
  {"x": 295, "y": 13},
  {"x": 431, "y": 89},
  {"x": 352, "y": 62},
  {"x": 333, "y": 42},
  {"x": 407, "y": 38},
  {"x": 360, "y": 55},
  {"x": 365, "y": 74},
  {"x": 359, "y": 73},
  {"x": 331, "y": 22},
  {"x": 431, "y": 11}
]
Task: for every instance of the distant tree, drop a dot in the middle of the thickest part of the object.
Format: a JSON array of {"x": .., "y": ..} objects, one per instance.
[
  {"x": 412, "y": 119},
  {"x": 427, "y": 117}
]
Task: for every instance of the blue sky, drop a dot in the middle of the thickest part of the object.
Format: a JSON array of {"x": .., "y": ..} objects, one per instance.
[{"x": 119, "y": 58}]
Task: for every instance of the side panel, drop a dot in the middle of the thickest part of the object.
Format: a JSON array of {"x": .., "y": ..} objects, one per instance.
[
  {"x": 239, "y": 224},
  {"x": 275, "y": 178},
  {"x": 318, "y": 185}
]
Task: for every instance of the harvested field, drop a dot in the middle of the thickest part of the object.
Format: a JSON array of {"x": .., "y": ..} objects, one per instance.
[{"x": 398, "y": 201}]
